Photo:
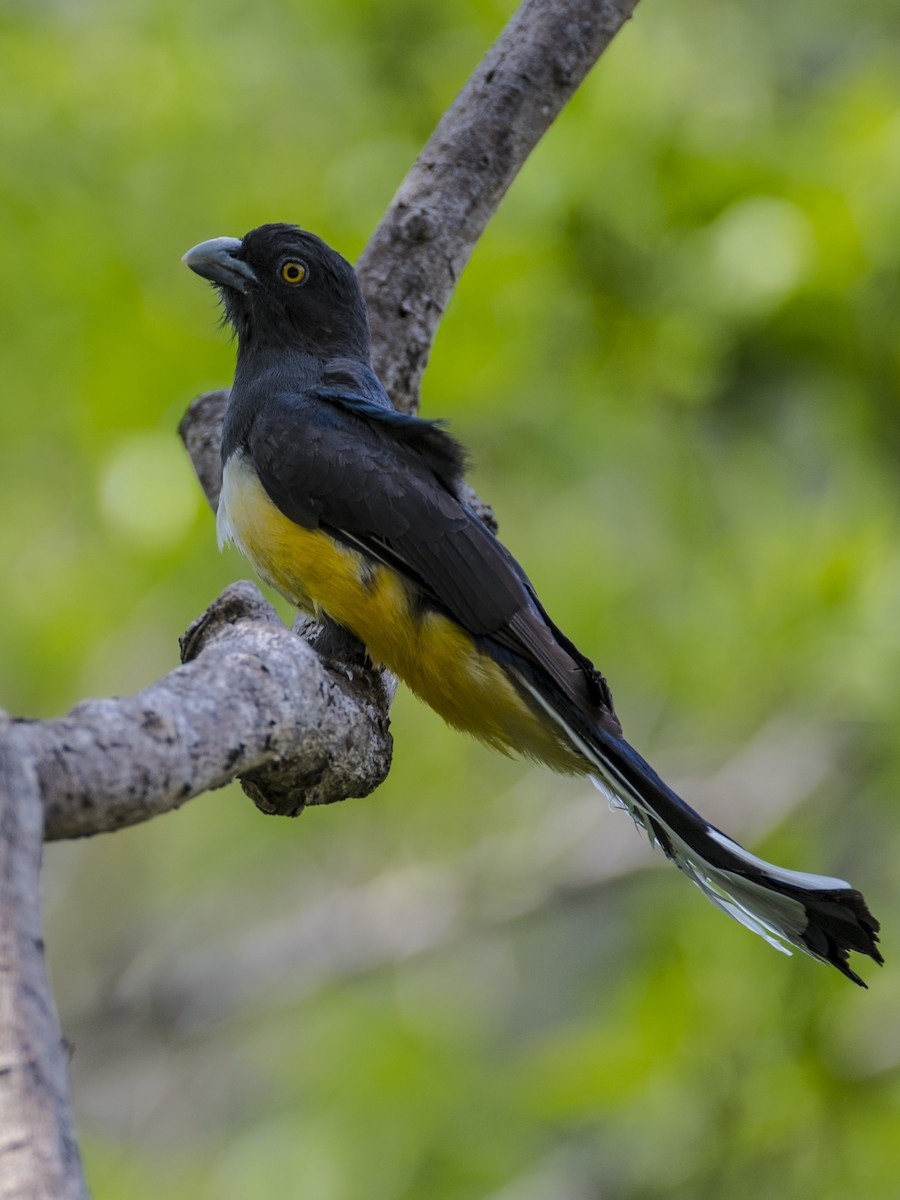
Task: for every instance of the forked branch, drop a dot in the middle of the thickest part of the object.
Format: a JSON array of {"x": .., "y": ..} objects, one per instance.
[{"x": 253, "y": 699}]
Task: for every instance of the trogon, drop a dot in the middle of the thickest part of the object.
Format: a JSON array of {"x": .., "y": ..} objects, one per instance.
[{"x": 356, "y": 511}]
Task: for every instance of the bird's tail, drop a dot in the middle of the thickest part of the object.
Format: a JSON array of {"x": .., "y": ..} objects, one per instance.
[{"x": 824, "y": 917}]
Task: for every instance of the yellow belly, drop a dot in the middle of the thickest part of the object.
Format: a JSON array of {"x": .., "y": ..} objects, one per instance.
[{"x": 433, "y": 655}]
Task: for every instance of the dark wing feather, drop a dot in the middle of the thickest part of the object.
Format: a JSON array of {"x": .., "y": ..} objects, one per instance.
[
  {"x": 386, "y": 484},
  {"x": 435, "y": 448},
  {"x": 345, "y": 470}
]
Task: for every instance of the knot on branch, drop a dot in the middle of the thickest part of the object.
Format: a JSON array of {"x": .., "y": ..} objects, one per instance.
[
  {"x": 336, "y": 741},
  {"x": 419, "y": 224},
  {"x": 240, "y": 601}
]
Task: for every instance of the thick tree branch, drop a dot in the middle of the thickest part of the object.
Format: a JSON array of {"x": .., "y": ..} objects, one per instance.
[
  {"x": 38, "y": 1152},
  {"x": 411, "y": 264},
  {"x": 253, "y": 700}
]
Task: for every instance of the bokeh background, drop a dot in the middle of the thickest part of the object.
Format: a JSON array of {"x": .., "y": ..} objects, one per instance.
[{"x": 675, "y": 358}]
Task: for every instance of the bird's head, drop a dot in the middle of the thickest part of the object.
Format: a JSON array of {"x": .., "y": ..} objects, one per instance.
[{"x": 283, "y": 287}]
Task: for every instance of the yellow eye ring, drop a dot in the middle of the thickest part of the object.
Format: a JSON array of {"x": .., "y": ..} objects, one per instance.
[{"x": 293, "y": 271}]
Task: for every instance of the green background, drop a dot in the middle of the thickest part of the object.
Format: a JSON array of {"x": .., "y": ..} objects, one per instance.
[{"x": 674, "y": 358}]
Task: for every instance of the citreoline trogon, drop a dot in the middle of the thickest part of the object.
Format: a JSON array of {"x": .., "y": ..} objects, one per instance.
[{"x": 356, "y": 511}]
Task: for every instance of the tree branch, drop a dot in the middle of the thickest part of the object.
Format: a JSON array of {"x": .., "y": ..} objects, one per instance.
[
  {"x": 38, "y": 1151},
  {"x": 252, "y": 699},
  {"x": 411, "y": 264}
]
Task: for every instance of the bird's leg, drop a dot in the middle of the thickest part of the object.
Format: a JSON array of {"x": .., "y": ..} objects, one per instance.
[{"x": 339, "y": 648}]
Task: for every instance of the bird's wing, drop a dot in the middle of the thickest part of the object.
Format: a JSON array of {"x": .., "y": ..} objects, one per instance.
[{"x": 387, "y": 484}]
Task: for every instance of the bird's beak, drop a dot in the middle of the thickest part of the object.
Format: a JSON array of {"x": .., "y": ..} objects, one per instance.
[{"x": 218, "y": 261}]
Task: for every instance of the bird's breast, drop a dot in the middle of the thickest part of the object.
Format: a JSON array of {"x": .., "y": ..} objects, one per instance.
[
  {"x": 433, "y": 654},
  {"x": 309, "y": 568}
]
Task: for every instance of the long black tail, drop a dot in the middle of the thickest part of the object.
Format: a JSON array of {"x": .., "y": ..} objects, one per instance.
[{"x": 824, "y": 917}]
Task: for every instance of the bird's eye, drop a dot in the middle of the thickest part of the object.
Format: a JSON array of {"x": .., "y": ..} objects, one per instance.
[{"x": 293, "y": 271}]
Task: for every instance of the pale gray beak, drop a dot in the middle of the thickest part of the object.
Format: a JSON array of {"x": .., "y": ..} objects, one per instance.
[{"x": 218, "y": 261}]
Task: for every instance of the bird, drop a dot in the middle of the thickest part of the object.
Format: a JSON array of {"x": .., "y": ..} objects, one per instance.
[{"x": 358, "y": 513}]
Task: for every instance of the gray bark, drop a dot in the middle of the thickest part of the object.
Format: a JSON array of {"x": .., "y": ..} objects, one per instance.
[
  {"x": 252, "y": 699},
  {"x": 38, "y": 1154},
  {"x": 411, "y": 264}
]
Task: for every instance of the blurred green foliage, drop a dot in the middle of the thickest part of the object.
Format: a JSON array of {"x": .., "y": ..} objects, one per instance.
[{"x": 674, "y": 356}]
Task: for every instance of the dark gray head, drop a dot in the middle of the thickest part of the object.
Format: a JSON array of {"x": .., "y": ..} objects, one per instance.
[{"x": 283, "y": 287}]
